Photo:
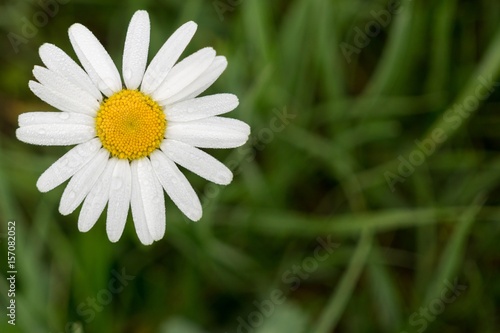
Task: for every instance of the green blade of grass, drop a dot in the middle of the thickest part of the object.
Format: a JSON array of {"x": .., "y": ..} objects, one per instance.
[{"x": 337, "y": 303}]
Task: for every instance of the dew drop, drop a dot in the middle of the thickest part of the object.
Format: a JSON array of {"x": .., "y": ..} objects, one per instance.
[
  {"x": 64, "y": 116},
  {"x": 73, "y": 162},
  {"x": 127, "y": 74},
  {"x": 102, "y": 85},
  {"x": 64, "y": 161},
  {"x": 117, "y": 183}
]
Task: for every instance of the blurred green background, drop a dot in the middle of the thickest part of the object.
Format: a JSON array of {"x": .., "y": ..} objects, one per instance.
[{"x": 389, "y": 152}]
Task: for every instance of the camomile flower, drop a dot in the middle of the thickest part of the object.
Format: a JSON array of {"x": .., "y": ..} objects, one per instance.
[{"x": 131, "y": 136}]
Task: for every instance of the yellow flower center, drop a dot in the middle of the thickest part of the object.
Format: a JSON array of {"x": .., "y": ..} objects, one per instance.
[{"x": 130, "y": 125}]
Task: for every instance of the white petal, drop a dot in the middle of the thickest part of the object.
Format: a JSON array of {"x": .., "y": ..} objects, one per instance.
[
  {"x": 55, "y": 134},
  {"x": 138, "y": 213},
  {"x": 152, "y": 198},
  {"x": 202, "y": 83},
  {"x": 82, "y": 182},
  {"x": 119, "y": 200},
  {"x": 41, "y": 118},
  {"x": 95, "y": 59},
  {"x": 197, "y": 161},
  {"x": 176, "y": 185},
  {"x": 135, "y": 54},
  {"x": 58, "y": 61},
  {"x": 167, "y": 56},
  {"x": 202, "y": 107},
  {"x": 96, "y": 199},
  {"x": 67, "y": 165},
  {"x": 57, "y": 83},
  {"x": 184, "y": 73},
  {"x": 59, "y": 100},
  {"x": 213, "y": 132}
]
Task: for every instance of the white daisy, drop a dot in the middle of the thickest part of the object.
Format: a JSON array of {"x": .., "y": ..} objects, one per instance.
[{"x": 130, "y": 140}]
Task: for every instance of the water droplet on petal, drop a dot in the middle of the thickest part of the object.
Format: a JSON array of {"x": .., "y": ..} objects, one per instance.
[
  {"x": 64, "y": 161},
  {"x": 94, "y": 148},
  {"x": 64, "y": 115},
  {"x": 117, "y": 183},
  {"x": 127, "y": 74},
  {"x": 102, "y": 85},
  {"x": 42, "y": 131}
]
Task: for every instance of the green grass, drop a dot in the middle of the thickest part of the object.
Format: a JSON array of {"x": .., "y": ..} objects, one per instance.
[{"x": 322, "y": 174}]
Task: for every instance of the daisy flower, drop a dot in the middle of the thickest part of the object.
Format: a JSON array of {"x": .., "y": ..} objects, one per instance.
[{"x": 131, "y": 136}]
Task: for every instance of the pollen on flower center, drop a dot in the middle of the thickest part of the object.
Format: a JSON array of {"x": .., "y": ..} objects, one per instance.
[{"x": 130, "y": 125}]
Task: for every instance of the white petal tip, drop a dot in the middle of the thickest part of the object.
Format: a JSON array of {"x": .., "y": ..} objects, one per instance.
[
  {"x": 247, "y": 130},
  {"x": 191, "y": 25},
  {"x": 195, "y": 216},
  {"x": 234, "y": 100},
  {"x": 43, "y": 188},
  {"x": 76, "y": 26},
  {"x": 222, "y": 60},
  {"x": 113, "y": 235},
  {"x": 75, "y": 29},
  {"x": 114, "y": 239},
  {"x": 225, "y": 180},
  {"x": 148, "y": 242},
  {"x": 32, "y": 84},
  {"x": 23, "y": 136},
  {"x": 157, "y": 237},
  {"x": 83, "y": 228},
  {"x": 37, "y": 69},
  {"x": 141, "y": 15},
  {"x": 64, "y": 212},
  {"x": 18, "y": 134}
]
